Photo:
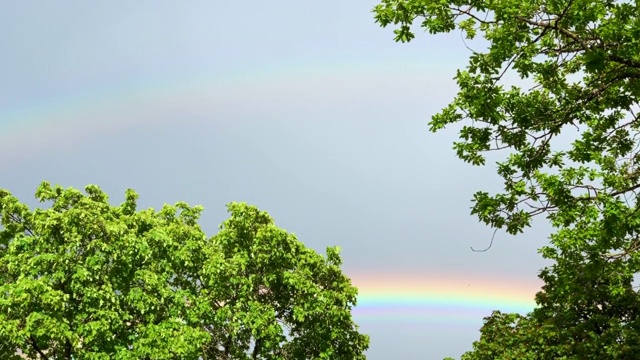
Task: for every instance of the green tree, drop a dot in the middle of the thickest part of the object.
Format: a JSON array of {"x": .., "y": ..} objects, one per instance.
[
  {"x": 578, "y": 63},
  {"x": 86, "y": 280}
]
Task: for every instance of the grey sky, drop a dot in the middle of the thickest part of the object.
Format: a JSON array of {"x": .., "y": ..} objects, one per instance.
[{"x": 318, "y": 117}]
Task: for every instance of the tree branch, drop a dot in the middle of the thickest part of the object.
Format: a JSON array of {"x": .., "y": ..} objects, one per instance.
[
  {"x": 256, "y": 349},
  {"x": 620, "y": 192},
  {"x": 35, "y": 346},
  {"x": 548, "y": 24}
]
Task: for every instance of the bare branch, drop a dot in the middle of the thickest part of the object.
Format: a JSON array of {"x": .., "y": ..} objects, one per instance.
[{"x": 490, "y": 244}]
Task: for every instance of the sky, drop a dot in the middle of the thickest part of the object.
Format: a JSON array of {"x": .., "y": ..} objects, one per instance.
[{"x": 308, "y": 110}]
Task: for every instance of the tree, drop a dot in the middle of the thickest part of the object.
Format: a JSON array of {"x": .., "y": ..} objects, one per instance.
[
  {"x": 84, "y": 279},
  {"x": 578, "y": 63}
]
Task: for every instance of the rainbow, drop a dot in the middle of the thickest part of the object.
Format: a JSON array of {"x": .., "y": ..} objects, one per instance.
[
  {"x": 443, "y": 300},
  {"x": 42, "y": 124}
]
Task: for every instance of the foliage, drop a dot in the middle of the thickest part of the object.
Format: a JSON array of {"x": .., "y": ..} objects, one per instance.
[
  {"x": 576, "y": 64},
  {"x": 83, "y": 279},
  {"x": 586, "y": 310}
]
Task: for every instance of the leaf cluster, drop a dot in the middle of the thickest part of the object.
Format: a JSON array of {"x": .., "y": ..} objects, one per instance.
[
  {"x": 576, "y": 66},
  {"x": 548, "y": 43},
  {"x": 86, "y": 280}
]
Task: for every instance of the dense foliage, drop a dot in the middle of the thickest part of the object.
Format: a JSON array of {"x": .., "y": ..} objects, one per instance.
[
  {"x": 576, "y": 65},
  {"x": 86, "y": 280}
]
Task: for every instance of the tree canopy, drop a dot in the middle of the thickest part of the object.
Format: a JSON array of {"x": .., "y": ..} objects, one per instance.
[
  {"x": 86, "y": 280},
  {"x": 576, "y": 65}
]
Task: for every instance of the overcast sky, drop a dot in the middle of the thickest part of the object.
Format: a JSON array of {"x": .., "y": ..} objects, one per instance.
[{"x": 306, "y": 109}]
